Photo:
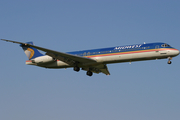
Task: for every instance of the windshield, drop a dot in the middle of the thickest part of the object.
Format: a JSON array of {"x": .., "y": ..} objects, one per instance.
[{"x": 165, "y": 45}]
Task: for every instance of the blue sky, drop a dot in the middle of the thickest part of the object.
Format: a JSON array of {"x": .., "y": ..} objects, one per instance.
[{"x": 143, "y": 90}]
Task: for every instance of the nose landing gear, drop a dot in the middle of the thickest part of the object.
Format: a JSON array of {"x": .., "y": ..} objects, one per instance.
[{"x": 169, "y": 61}]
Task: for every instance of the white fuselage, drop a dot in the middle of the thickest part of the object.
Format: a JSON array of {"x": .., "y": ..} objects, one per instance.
[{"x": 129, "y": 56}]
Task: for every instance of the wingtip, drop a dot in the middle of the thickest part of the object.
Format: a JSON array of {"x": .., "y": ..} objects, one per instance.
[{"x": 5, "y": 40}]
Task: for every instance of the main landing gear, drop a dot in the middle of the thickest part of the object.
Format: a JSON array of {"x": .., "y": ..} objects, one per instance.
[
  {"x": 169, "y": 61},
  {"x": 77, "y": 69},
  {"x": 89, "y": 73}
]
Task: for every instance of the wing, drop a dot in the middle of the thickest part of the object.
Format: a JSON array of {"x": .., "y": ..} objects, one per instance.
[
  {"x": 73, "y": 60},
  {"x": 55, "y": 54}
]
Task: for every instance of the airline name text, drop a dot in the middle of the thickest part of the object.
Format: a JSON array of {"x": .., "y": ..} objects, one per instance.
[{"x": 128, "y": 47}]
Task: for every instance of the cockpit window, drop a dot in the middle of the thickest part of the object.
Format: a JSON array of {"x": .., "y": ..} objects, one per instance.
[{"x": 165, "y": 45}]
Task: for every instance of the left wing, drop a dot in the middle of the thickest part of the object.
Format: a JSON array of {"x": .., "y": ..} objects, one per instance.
[
  {"x": 55, "y": 53},
  {"x": 70, "y": 59}
]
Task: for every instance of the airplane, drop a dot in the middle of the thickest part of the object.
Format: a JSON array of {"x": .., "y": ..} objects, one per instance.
[{"x": 96, "y": 60}]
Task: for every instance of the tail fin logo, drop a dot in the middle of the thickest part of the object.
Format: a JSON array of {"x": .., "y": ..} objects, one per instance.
[{"x": 32, "y": 52}]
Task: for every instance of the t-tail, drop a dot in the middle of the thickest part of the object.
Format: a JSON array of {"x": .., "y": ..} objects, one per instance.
[{"x": 31, "y": 52}]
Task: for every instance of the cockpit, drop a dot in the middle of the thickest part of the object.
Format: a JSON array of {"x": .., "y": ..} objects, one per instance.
[{"x": 165, "y": 45}]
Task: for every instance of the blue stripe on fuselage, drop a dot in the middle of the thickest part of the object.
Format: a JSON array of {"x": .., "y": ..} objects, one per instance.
[{"x": 116, "y": 49}]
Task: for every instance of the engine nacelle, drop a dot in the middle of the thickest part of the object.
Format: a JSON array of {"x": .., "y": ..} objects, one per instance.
[{"x": 42, "y": 59}]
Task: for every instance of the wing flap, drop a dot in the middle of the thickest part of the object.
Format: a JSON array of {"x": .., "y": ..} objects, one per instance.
[
  {"x": 98, "y": 69},
  {"x": 105, "y": 70}
]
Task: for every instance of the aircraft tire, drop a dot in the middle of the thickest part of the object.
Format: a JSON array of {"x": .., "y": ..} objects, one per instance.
[
  {"x": 169, "y": 62},
  {"x": 89, "y": 73},
  {"x": 77, "y": 69}
]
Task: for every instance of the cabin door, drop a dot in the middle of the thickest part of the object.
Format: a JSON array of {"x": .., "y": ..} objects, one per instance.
[{"x": 157, "y": 48}]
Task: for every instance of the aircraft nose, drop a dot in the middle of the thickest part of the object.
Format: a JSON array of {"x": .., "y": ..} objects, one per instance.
[
  {"x": 177, "y": 52},
  {"x": 174, "y": 52}
]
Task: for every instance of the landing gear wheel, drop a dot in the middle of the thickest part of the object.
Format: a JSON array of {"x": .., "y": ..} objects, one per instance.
[
  {"x": 169, "y": 62},
  {"x": 89, "y": 73},
  {"x": 76, "y": 69}
]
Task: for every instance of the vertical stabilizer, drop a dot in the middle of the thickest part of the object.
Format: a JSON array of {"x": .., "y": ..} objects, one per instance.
[{"x": 31, "y": 52}]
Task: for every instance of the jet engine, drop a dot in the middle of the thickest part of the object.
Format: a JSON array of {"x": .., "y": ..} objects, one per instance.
[{"x": 43, "y": 59}]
